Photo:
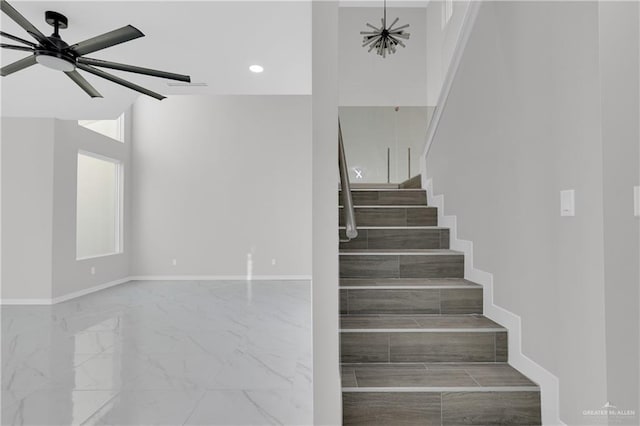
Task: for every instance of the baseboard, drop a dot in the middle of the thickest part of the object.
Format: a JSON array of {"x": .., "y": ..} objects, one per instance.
[
  {"x": 549, "y": 384},
  {"x": 220, "y": 278},
  {"x": 99, "y": 287},
  {"x": 89, "y": 290},
  {"x": 25, "y": 301},
  {"x": 64, "y": 298}
]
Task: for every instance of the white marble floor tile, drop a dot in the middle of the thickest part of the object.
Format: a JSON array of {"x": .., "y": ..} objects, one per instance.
[
  {"x": 167, "y": 372},
  {"x": 147, "y": 352},
  {"x": 287, "y": 407},
  {"x": 147, "y": 407},
  {"x": 230, "y": 408},
  {"x": 55, "y": 407}
]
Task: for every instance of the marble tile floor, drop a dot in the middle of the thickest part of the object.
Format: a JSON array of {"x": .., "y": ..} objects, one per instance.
[{"x": 162, "y": 353}]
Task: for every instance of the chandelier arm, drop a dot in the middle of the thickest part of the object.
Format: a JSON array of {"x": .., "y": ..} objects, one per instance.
[
  {"x": 371, "y": 26},
  {"x": 369, "y": 42},
  {"x": 400, "y": 27}
]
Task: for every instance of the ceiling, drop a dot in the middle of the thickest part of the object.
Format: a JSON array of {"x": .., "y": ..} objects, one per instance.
[{"x": 214, "y": 42}]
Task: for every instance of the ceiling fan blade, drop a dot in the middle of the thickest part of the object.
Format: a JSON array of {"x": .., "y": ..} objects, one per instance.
[
  {"x": 132, "y": 68},
  {"x": 84, "y": 84},
  {"x": 119, "y": 81},
  {"x": 18, "y": 39},
  {"x": 26, "y": 25},
  {"x": 18, "y": 65},
  {"x": 105, "y": 40},
  {"x": 15, "y": 47}
]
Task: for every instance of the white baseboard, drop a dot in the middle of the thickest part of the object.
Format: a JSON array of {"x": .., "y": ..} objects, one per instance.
[
  {"x": 69, "y": 296},
  {"x": 89, "y": 290},
  {"x": 99, "y": 287},
  {"x": 220, "y": 278},
  {"x": 25, "y": 301},
  {"x": 549, "y": 384}
]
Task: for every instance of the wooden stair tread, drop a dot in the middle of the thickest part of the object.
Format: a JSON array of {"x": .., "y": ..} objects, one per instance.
[
  {"x": 407, "y": 282},
  {"x": 427, "y": 322},
  {"x": 399, "y": 252},
  {"x": 433, "y": 377}
]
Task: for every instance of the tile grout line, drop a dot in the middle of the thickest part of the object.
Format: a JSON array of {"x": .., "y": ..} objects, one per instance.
[{"x": 441, "y": 409}]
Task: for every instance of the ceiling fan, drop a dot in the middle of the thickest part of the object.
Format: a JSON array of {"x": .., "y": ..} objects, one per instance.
[{"x": 55, "y": 53}]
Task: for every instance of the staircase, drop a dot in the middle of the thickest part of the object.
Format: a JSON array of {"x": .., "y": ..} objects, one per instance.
[{"x": 415, "y": 347}]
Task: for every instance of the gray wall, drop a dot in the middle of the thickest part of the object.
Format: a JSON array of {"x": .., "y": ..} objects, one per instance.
[
  {"x": 522, "y": 123},
  {"x": 619, "y": 44},
  {"x": 327, "y": 399},
  {"x": 71, "y": 275},
  {"x": 441, "y": 44},
  {"x": 218, "y": 178},
  {"x": 39, "y": 181},
  {"x": 27, "y": 194}
]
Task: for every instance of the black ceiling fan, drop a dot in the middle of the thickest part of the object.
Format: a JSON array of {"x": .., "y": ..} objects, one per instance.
[{"x": 53, "y": 52}]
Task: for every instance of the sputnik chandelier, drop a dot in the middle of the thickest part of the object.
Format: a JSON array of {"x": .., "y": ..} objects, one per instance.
[{"x": 384, "y": 40}]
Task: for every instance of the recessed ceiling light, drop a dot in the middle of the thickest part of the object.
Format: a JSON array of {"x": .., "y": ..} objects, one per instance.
[{"x": 256, "y": 68}]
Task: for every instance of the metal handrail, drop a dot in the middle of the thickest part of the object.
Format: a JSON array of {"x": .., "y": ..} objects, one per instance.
[{"x": 347, "y": 201}]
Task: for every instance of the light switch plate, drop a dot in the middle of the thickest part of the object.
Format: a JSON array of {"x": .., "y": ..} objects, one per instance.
[
  {"x": 636, "y": 201},
  {"x": 568, "y": 202}
]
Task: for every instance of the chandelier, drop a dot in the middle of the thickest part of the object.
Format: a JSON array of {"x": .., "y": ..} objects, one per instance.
[{"x": 384, "y": 40}]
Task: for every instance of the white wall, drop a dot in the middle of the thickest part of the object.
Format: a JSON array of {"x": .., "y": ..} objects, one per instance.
[
  {"x": 27, "y": 195},
  {"x": 216, "y": 179},
  {"x": 369, "y": 131},
  {"x": 327, "y": 397},
  {"x": 39, "y": 182},
  {"x": 366, "y": 79},
  {"x": 522, "y": 122},
  {"x": 71, "y": 275},
  {"x": 619, "y": 45},
  {"x": 441, "y": 44}
]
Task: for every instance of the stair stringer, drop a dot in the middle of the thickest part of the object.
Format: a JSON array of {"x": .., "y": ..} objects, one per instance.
[{"x": 548, "y": 382}]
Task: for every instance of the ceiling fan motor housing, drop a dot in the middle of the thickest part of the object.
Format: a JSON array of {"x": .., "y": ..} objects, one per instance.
[{"x": 55, "y": 60}]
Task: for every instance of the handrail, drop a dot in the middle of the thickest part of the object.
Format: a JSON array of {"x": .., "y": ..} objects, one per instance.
[{"x": 347, "y": 201}]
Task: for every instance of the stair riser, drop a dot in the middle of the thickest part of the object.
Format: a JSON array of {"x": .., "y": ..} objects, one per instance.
[
  {"x": 397, "y": 239},
  {"x": 386, "y": 198},
  {"x": 413, "y": 301},
  {"x": 441, "y": 408},
  {"x": 394, "y": 216},
  {"x": 402, "y": 266},
  {"x": 400, "y": 346}
]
